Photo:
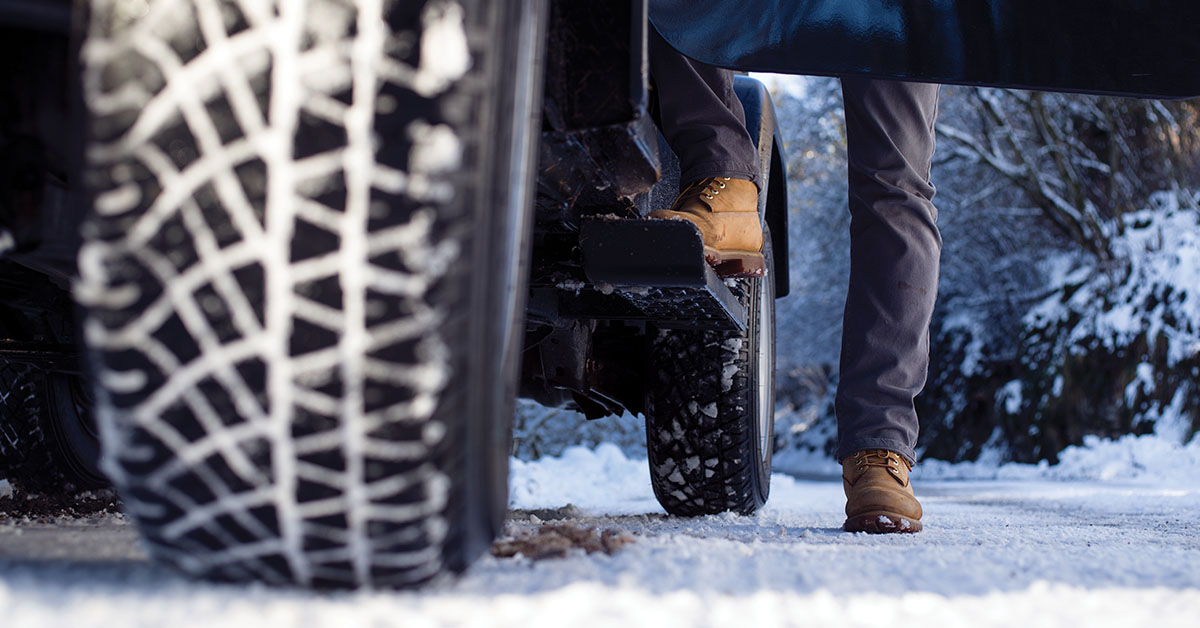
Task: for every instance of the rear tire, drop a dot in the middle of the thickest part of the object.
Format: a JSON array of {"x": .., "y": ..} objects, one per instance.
[
  {"x": 710, "y": 411},
  {"x": 304, "y": 278},
  {"x": 48, "y": 439}
]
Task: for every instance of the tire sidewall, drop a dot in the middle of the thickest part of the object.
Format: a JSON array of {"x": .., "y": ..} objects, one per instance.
[
  {"x": 502, "y": 220},
  {"x": 706, "y": 461},
  {"x": 761, "y": 333}
]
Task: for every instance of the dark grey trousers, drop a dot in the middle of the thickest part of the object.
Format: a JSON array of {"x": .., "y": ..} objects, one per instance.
[
  {"x": 894, "y": 240},
  {"x": 701, "y": 117},
  {"x": 895, "y": 249}
]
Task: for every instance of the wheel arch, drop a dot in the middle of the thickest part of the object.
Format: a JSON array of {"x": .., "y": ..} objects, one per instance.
[
  {"x": 777, "y": 217},
  {"x": 764, "y": 133}
]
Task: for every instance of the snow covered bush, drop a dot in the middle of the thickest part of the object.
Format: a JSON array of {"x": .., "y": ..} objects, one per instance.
[
  {"x": 1045, "y": 207},
  {"x": 1069, "y": 292},
  {"x": 540, "y": 431},
  {"x": 1113, "y": 349}
]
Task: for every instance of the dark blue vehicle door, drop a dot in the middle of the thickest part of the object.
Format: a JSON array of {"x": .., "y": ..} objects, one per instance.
[{"x": 1122, "y": 47}]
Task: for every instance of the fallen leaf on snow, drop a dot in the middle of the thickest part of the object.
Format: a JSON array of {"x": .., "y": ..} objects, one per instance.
[{"x": 555, "y": 540}]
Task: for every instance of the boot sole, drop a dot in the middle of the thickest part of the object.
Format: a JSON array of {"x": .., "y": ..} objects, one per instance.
[
  {"x": 731, "y": 264},
  {"x": 881, "y": 522}
]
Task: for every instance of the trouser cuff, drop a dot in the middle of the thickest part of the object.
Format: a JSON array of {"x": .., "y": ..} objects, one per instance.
[
  {"x": 845, "y": 450},
  {"x": 732, "y": 169}
]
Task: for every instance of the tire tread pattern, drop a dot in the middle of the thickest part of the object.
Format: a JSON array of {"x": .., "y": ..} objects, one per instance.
[
  {"x": 264, "y": 281},
  {"x": 700, "y": 441}
]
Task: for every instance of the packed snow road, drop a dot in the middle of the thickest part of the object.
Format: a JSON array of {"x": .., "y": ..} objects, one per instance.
[{"x": 1012, "y": 553}]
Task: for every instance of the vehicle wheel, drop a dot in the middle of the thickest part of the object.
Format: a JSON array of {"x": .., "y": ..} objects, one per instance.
[
  {"x": 304, "y": 277},
  {"x": 710, "y": 410},
  {"x": 48, "y": 440}
]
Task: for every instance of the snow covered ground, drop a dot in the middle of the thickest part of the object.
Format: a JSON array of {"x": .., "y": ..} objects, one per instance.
[{"x": 1033, "y": 551}]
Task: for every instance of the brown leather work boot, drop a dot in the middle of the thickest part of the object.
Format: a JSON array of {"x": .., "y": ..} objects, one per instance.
[
  {"x": 726, "y": 212},
  {"x": 879, "y": 498}
]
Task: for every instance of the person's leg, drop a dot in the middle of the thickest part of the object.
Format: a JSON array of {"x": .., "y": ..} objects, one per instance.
[
  {"x": 894, "y": 254},
  {"x": 703, "y": 121},
  {"x": 700, "y": 116}
]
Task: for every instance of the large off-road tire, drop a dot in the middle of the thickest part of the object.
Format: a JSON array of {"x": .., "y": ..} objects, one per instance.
[
  {"x": 710, "y": 411},
  {"x": 48, "y": 439},
  {"x": 304, "y": 277},
  {"x": 48, "y": 442}
]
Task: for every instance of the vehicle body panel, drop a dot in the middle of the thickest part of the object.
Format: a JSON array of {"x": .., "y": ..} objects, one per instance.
[{"x": 1144, "y": 48}]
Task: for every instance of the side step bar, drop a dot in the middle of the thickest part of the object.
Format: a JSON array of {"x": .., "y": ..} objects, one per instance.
[{"x": 644, "y": 269}]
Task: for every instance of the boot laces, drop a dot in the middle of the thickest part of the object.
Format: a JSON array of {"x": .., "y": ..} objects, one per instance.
[
  {"x": 879, "y": 458},
  {"x": 707, "y": 188}
]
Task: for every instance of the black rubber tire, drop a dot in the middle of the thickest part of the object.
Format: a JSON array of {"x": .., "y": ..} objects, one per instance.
[
  {"x": 305, "y": 322},
  {"x": 48, "y": 439},
  {"x": 709, "y": 425},
  {"x": 48, "y": 443}
]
